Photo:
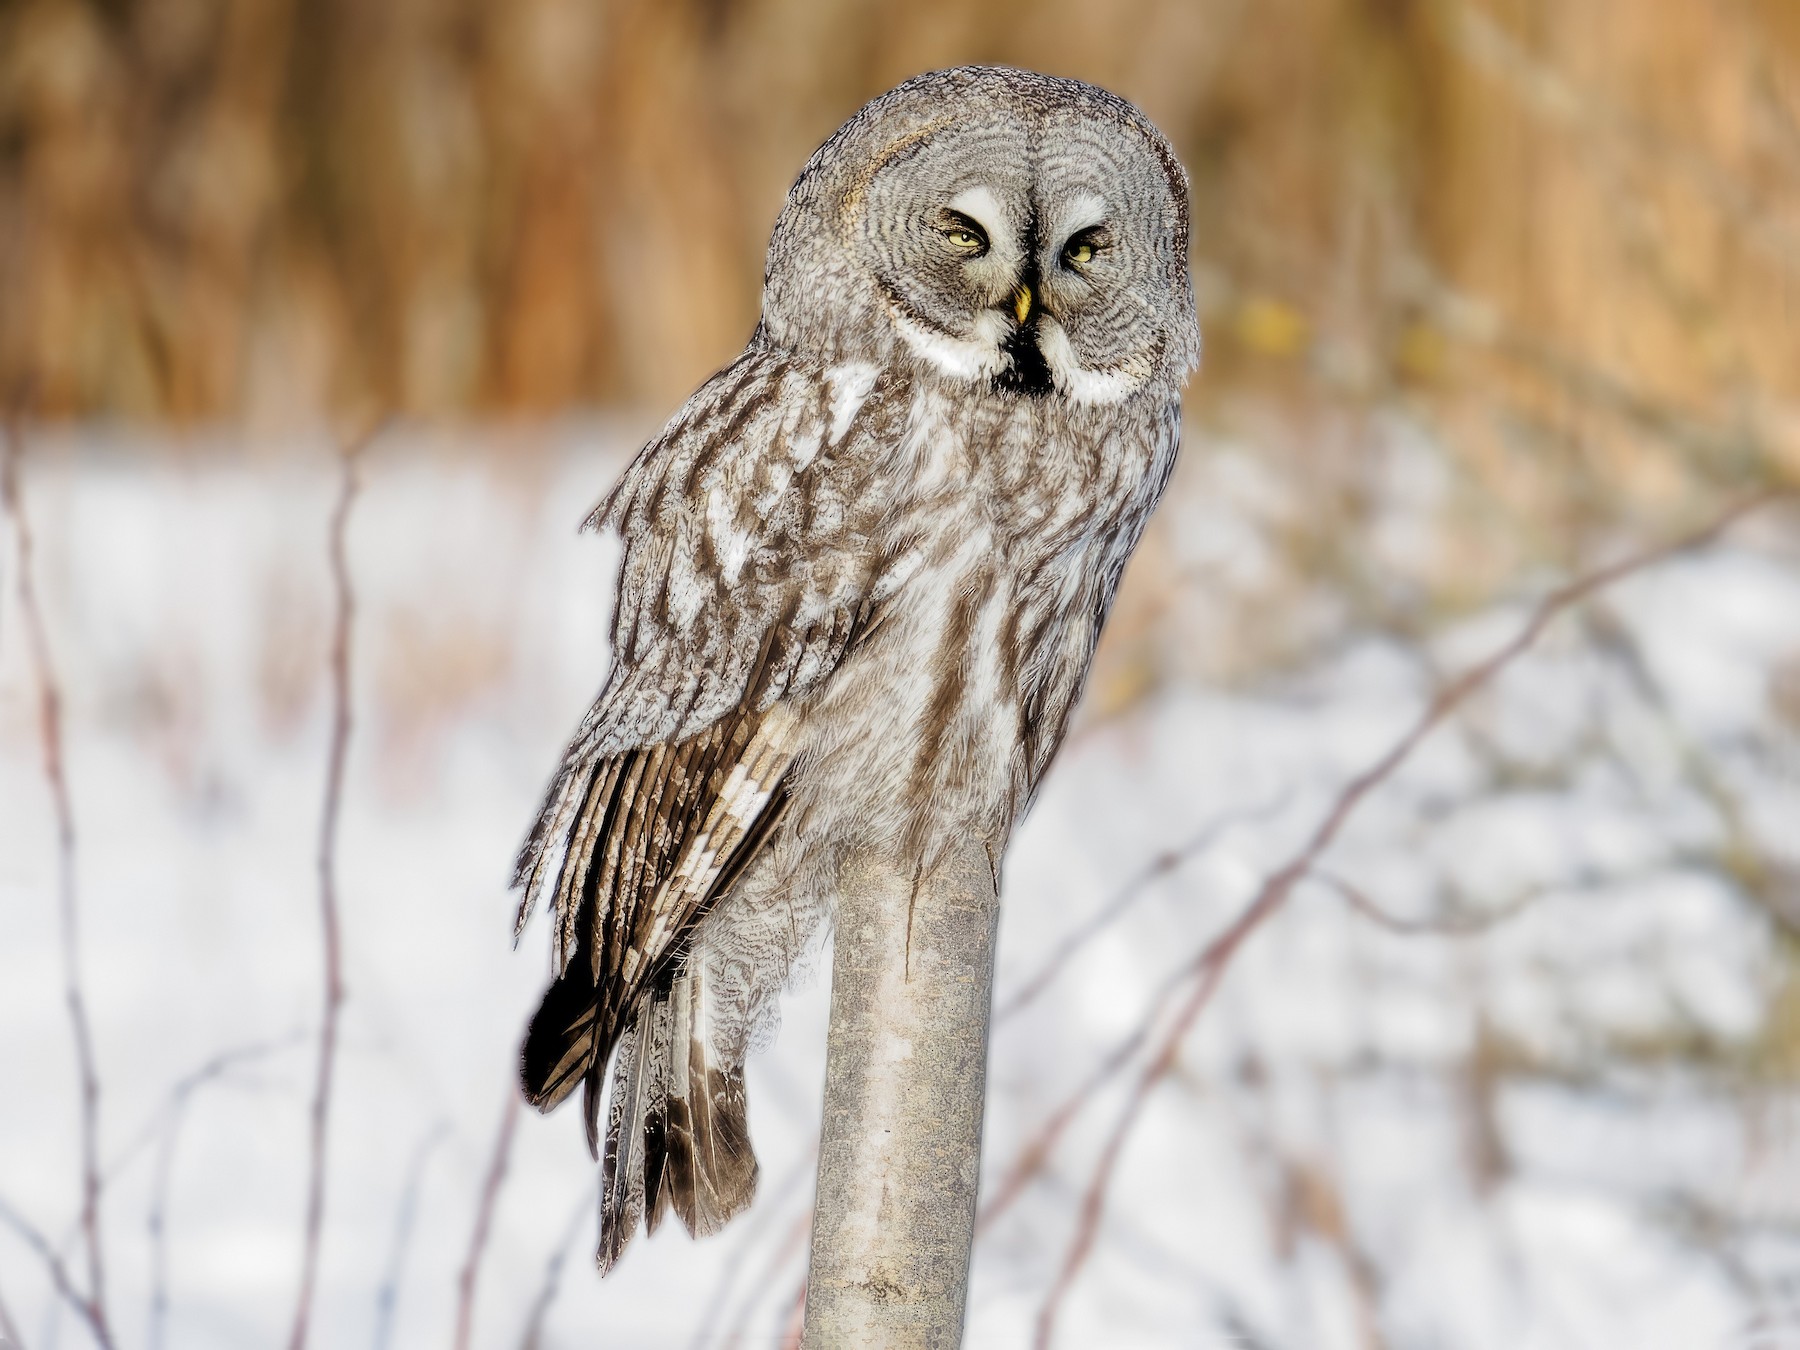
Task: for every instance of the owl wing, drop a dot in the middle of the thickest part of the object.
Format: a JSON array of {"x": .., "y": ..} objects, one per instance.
[{"x": 749, "y": 570}]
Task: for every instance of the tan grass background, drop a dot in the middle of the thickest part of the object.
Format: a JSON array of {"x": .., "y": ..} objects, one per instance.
[{"x": 221, "y": 209}]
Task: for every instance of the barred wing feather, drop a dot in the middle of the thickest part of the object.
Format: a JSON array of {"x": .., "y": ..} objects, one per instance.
[{"x": 746, "y": 577}]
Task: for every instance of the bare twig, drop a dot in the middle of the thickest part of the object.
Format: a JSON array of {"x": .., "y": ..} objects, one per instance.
[
  {"x": 344, "y": 615},
  {"x": 168, "y": 1113},
  {"x": 484, "y": 1219},
  {"x": 60, "y": 1279},
  {"x": 789, "y": 1247},
  {"x": 752, "y": 1240},
  {"x": 174, "y": 1114},
  {"x": 553, "y": 1269},
  {"x": 1163, "y": 865},
  {"x": 158, "y": 1224},
  {"x": 792, "y": 1331},
  {"x": 1031, "y": 1159},
  {"x": 1456, "y": 923},
  {"x": 387, "y": 1297},
  {"x": 733, "y": 1337},
  {"x": 1208, "y": 966},
  {"x": 9, "y": 1329},
  {"x": 50, "y": 732}
]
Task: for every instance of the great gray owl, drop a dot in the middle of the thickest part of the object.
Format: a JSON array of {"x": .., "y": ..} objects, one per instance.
[{"x": 864, "y": 570}]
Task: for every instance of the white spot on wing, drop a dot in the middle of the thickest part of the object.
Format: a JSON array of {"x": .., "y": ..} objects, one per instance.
[
  {"x": 686, "y": 596},
  {"x": 851, "y": 384},
  {"x": 731, "y": 544},
  {"x": 804, "y": 446},
  {"x": 734, "y": 552}
]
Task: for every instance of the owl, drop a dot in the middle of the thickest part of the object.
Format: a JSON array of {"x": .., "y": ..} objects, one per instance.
[{"x": 864, "y": 570}]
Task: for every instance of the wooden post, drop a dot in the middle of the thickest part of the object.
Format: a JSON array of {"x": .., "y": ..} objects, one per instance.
[{"x": 905, "y": 1083}]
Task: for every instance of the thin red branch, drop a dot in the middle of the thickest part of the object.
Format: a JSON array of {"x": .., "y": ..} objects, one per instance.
[
  {"x": 790, "y": 1247},
  {"x": 9, "y": 1329},
  {"x": 167, "y": 1115},
  {"x": 796, "y": 1321},
  {"x": 387, "y": 1297},
  {"x": 343, "y": 620},
  {"x": 1208, "y": 966},
  {"x": 484, "y": 1219},
  {"x": 532, "y": 1339},
  {"x": 50, "y": 731},
  {"x": 1140, "y": 885},
  {"x": 1446, "y": 925},
  {"x": 769, "y": 1209},
  {"x": 175, "y": 1113},
  {"x": 1032, "y": 1158},
  {"x": 60, "y": 1279}
]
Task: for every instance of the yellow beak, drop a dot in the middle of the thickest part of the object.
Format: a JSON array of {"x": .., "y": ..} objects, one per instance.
[{"x": 1022, "y": 303}]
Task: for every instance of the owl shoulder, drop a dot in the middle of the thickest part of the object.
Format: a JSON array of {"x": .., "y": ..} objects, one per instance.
[{"x": 742, "y": 439}]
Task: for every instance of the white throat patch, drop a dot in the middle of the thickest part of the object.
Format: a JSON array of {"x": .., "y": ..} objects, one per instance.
[
  {"x": 976, "y": 358},
  {"x": 1080, "y": 385}
]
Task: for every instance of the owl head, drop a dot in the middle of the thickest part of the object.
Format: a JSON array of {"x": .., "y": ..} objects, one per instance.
[{"x": 994, "y": 228}]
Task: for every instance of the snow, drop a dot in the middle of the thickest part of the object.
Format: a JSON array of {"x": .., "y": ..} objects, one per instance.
[{"x": 1565, "y": 1120}]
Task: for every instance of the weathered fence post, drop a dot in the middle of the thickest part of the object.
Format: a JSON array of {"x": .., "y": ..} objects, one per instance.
[{"x": 905, "y": 1082}]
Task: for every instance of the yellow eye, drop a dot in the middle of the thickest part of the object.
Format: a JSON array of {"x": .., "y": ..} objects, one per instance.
[
  {"x": 962, "y": 239},
  {"x": 1079, "y": 253}
]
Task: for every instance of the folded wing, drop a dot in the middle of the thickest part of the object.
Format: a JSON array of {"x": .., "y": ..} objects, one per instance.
[{"x": 749, "y": 571}]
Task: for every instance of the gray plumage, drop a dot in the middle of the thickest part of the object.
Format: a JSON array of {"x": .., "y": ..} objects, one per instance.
[{"x": 865, "y": 568}]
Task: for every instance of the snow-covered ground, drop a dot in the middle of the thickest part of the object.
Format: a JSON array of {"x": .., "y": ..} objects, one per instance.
[{"x": 1548, "y": 1101}]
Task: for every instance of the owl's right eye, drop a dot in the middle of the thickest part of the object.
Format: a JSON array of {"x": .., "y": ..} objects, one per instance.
[{"x": 964, "y": 234}]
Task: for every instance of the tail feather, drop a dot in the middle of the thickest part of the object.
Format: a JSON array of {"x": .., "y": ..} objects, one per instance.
[
  {"x": 710, "y": 1151},
  {"x": 622, "y": 1185},
  {"x": 683, "y": 1181},
  {"x": 677, "y": 1131},
  {"x": 592, "y": 1088},
  {"x": 654, "y": 1136}
]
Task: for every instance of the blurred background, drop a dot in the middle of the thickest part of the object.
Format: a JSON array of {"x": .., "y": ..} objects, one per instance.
[{"x": 1495, "y": 292}]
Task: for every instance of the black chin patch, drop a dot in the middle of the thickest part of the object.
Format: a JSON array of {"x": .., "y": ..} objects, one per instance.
[{"x": 1026, "y": 371}]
